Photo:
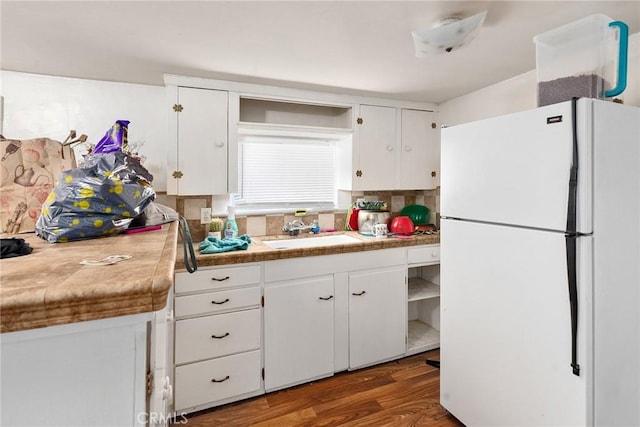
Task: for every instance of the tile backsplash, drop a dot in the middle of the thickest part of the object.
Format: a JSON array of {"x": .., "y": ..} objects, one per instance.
[{"x": 262, "y": 225}]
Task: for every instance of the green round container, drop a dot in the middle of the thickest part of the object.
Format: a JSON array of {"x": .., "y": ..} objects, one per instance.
[{"x": 419, "y": 214}]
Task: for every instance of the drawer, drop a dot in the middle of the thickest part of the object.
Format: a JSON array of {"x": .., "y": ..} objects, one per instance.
[
  {"x": 424, "y": 255},
  {"x": 214, "y": 302},
  {"x": 217, "y": 335},
  {"x": 217, "y": 278},
  {"x": 217, "y": 379}
]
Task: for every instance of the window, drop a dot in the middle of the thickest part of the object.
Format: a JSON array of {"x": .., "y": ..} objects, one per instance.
[{"x": 280, "y": 172}]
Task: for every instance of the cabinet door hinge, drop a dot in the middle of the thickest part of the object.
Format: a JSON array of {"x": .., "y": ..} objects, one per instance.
[
  {"x": 359, "y": 120},
  {"x": 263, "y": 373},
  {"x": 262, "y": 300},
  {"x": 149, "y": 383},
  {"x": 433, "y": 174},
  {"x": 177, "y": 174},
  {"x": 177, "y": 108},
  {"x": 433, "y": 125},
  {"x": 358, "y": 173}
]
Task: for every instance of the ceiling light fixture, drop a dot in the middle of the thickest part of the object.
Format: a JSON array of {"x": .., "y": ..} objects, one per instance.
[{"x": 447, "y": 35}]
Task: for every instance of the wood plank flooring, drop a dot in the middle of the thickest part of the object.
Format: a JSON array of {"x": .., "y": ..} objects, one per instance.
[{"x": 399, "y": 393}]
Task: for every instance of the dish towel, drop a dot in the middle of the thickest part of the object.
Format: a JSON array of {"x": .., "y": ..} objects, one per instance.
[{"x": 213, "y": 245}]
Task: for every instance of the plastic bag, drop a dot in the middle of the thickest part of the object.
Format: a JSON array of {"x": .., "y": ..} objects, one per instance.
[
  {"x": 99, "y": 199},
  {"x": 115, "y": 139}
]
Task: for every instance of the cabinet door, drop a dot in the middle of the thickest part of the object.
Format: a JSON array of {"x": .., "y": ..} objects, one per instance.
[
  {"x": 419, "y": 158},
  {"x": 376, "y": 148},
  {"x": 200, "y": 163},
  {"x": 298, "y": 331},
  {"x": 377, "y": 316}
]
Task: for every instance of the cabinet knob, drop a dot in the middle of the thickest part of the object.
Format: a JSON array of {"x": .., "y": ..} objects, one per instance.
[
  {"x": 407, "y": 148},
  {"x": 389, "y": 147},
  {"x": 219, "y": 144}
]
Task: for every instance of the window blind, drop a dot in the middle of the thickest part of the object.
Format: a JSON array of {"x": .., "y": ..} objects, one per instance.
[{"x": 284, "y": 172}]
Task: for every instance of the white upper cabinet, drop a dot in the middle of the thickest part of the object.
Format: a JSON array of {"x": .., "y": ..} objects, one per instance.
[
  {"x": 377, "y": 148},
  {"x": 419, "y": 161},
  {"x": 198, "y": 129},
  {"x": 395, "y": 149}
]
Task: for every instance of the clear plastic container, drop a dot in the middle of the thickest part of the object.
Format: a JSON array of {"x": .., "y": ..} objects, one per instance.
[{"x": 585, "y": 58}]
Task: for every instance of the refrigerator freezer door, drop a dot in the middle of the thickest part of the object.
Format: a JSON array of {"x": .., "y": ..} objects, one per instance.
[
  {"x": 505, "y": 327},
  {"x": 514, "y": 169}
]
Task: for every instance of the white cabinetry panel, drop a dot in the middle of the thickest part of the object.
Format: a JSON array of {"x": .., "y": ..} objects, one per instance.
[
  {"x": 218, "y": 335},
  {"x": 217, "y": 379},
  {"x": 197, "y": 163},
  {"x": 419, "y": 162},
  {"x": 215, "y": 302},
  {"x": 207, "y": 279},
  {"x": 377, "y": 316},
  {"x": 396, "y": 149},
  {"x": 298, "y": 331}
]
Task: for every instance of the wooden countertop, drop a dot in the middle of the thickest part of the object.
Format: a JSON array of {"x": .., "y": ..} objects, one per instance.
[
  {"x": 258, "y": 251},
  {"x": 50, "y": 287}
]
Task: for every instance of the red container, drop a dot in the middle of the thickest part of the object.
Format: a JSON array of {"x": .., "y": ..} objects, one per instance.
[{"x": 402, "y": 225}]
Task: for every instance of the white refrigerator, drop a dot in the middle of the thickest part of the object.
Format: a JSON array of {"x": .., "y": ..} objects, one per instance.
[{"x": 540, "y": 267}]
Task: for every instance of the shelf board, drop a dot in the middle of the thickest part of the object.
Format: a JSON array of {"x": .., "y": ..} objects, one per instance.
[
  {"x": 420, "y": 289},
  {"x": 422, "y": 337},
  {"x": 271, "y": 129}
]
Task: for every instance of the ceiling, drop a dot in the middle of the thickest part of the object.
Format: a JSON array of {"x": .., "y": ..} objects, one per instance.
[{"x": 354, "y": 47}]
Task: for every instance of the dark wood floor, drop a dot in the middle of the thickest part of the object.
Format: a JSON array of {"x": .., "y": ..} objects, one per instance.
[{"x": 399, "y": 393}]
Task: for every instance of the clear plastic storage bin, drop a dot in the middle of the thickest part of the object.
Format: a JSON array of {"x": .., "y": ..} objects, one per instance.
[{"x": 585, "y": 58}]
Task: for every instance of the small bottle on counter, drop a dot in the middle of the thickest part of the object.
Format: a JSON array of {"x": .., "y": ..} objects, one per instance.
[{"x": 230, "y": 226}]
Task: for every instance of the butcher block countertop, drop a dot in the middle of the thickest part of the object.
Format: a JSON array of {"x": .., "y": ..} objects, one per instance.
[
  {"x": 258, "y": 251},
  {"x": 50, "y": 287}
]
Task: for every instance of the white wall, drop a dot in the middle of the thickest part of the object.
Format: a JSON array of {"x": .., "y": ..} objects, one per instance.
[
  {"x": 48, "y": 106},
  {"x": 519, "y": 93}
]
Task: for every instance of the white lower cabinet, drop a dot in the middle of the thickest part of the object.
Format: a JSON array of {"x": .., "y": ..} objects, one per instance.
[
  {"x": 218, "y": 336},
  {"x": 298, "y": 331},
  {"x": 377, "y": 316},
  {"x": 315, "y": 325},
  {"x": 423, "y": 299},
  {"x": 321, "y": 315}
]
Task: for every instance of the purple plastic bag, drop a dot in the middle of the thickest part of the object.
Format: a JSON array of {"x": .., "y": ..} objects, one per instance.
[{"x": 115, "y": 139}]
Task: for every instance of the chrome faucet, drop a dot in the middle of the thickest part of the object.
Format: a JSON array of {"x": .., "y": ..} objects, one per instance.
[{"x": 294, "y": 227}]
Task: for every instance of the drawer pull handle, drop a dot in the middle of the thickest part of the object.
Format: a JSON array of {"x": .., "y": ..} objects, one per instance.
[
  {"x": 220, "y": 381},
  {"x": 357, "y": 294},
  {"x": 326, "y": 298},
  {"x": 220, "y": 337},
  {"x": 221, "y": 302},
  {"x": 220, "y": 280}
]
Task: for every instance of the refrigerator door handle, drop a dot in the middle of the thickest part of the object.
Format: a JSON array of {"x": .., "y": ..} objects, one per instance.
[
  {"x": 570, "y": 237},
  {"x": 573, "y": 298}
]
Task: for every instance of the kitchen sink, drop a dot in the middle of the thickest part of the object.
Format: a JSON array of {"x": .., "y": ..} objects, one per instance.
[{"x": 311, "y": 242}]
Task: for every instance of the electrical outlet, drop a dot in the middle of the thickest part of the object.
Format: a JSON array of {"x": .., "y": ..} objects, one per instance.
[{"x": 205, "y": 215}]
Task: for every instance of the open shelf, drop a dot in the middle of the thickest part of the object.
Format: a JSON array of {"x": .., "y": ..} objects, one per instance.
[
  {"x": 291, "y": 113},
  {"x": 422, "y": 337},
  {"x": 420, "y": 289}
]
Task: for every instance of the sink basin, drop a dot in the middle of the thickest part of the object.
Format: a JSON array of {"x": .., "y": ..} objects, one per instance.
[{"x": 311, "y": 242}]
